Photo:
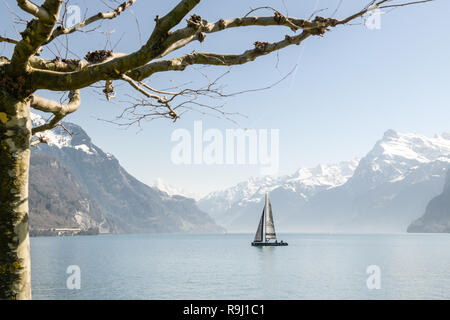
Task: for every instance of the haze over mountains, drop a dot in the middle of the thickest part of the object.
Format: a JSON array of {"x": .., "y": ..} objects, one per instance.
[
  {"x": 237, "y": 207},
  {"x": 173, "y": 190},
  {"x": 383, "y": 192},
  {"x": 73, "y": 183},
  {"x": 437, "y": 215}
]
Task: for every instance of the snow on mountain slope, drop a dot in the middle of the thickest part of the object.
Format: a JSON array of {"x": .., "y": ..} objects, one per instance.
[
  {"x": 130, "y": 205},
  {"x": 322, "y": 176},
  {"x": 414, "y": 147},
  {"x": 384, "y": 191},
  {"x": 61, "y": 138},
  {"x": 390, "y": 187},
  {"x": 172, "y": 190},
  {"x": 304, "y": 179},
  {"x": 397, "y": 156},
  {"x": 227, "y": 206}
]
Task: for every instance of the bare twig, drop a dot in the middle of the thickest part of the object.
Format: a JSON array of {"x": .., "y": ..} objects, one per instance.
[
  {"x": 99, "y": 16},
  {"x": 8, "y": 40}
]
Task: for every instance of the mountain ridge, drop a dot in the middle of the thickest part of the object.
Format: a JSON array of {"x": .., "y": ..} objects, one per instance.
[
  {"x": 130, "y": 205},
  {"x": 389, "y": 188},
  {"x": 436, "y": 218},
  {"x": 295, "y": 189}
]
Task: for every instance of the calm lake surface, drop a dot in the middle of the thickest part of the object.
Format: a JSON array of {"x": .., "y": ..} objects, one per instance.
[{"x": 313, "y": 266}]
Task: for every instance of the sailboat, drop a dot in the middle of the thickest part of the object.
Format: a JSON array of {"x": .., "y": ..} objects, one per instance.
[{"x": 266, "y": 224}]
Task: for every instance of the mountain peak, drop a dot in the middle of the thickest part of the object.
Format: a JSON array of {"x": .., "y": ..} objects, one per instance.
[
  {"x": 397, "y": 156},
  {"x": 69, "y": 136},
  {"x": 171, "y": 190},
  {"x": 445, "y": 135},
  {"x": 411, "y": 146},
  {"x": 124, "y": 203},
  {"x": 299, "y": 186},
  {"x": 390, "y": 134},
  {"x": 331, "y": 175}
]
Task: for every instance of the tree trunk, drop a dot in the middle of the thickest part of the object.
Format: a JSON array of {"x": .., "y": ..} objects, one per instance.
[{"x": 15, "y": 134}]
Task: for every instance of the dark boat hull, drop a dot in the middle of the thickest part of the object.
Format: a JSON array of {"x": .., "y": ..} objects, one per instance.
[{"x": 269, "y": 244}]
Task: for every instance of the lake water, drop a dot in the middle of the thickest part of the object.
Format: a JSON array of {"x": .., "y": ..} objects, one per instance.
[{"x": 313, "y": 266}]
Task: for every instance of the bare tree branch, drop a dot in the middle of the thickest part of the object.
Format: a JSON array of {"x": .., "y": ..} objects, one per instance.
[
  {"x": 180, "y": 100},
  {"x": 39, "y": 139},
  {"x": 112, "y": 69},
  {"x": 35, "y": 10},
  {"x": 161, "y": 43},
  {"x": 57, "y": 64},
  {"x": 196, "y": 26},
  {"x": 9, "y": 40},
  {"x": 59, "y": 110},
  {"x": 61, "y": 30},
  {"x": 161, "y": 100},
  {"x": 36, "y": 33},
  {"x": 404, "y": 4},
  {"x": 179, "y": 64}
]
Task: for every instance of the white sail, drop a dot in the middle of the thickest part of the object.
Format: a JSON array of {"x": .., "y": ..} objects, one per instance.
[
  {"x": 270, "y": 228},
  {"x": 259, "y": 232}
]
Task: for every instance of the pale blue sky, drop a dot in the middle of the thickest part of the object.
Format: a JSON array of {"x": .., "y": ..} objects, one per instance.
[{"x": 350, "y": 86}]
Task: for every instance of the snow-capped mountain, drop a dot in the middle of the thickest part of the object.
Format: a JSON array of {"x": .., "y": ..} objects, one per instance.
[
  {"x": 390, "y": 187},
  {"x": 232, "y": 207},
  {"x": 384, "y": 191},
  {"x": 175, "y": 191},
  {"x": 397, "y": 157},
  {"x": 77, "y": 184},
  {"x": 70, "y": 136}
]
